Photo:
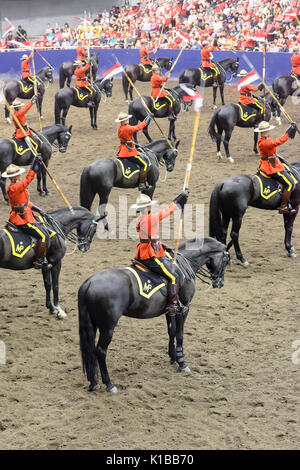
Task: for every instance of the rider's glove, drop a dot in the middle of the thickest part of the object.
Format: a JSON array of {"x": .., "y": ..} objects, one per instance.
[
  {"x": 36, "y": 164},
  {"x": 181, "y": 199},
  {"x": 34, "y": 99},
  {"x": 291, "y": 131},
  {"x": 148, "y": 119}
]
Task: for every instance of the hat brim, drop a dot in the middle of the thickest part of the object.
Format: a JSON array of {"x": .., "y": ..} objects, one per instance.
[
  {"x": 19, "y": 172},
  {"x": 264, "y": 130},
  {"x": 142, "y": 206},
  {"x": 18, "y": 105},
  {"x": 125, "y": 119}
]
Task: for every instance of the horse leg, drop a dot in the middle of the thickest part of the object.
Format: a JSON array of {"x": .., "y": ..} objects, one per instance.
[
  {"x": 289, "y": 220},
  {"x": 7, "y": 115},
  {"x": 3, "y": 189},
  {"x": 55, "y": 272},
  {"x": 234, "y": 234},
  {"x": 226, "y": 145},
  {"x": 44, "y": 179},
  {"x": 103, "y": 200},
  {"x": 146, "y": 134},
  {"x": 224, "y": 228},
  {"x": 214, "y": 97},
  {"x": 130, "y": 92},
  {"x": 69, "y": 81},
  {"x": 171, "y": 324},
  {"x": 95, "y": 117},
  {"x": 255, "y": 142},
  {"x": 47, "y": 284},
  {"x": 38, "y": 182},
  {"x": 64, "y": 115},
  {"x": 222, "y": 94},
  {"x": 180, "y": 319},
  {"x": 101, "y": 352},
  {"x": 171, "y": 129}
]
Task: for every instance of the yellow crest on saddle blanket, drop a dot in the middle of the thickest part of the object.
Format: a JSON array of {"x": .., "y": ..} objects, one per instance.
[
  {"x": 268, "y": 186},
  {"x": 26, "y": 88},
  {"x": 81, "y": 96},
  {"x": 22, "y": 147},
  {"x": 148, "y": 282},
  {"x": 297, "y": 79},
  {"x": 244, "y": 115},
  {"x": 146, "y": 70},
  {"x": 129, "y": 168},
  {"x": 157, "y": 105},
  {"x": 204, "y": 75}
]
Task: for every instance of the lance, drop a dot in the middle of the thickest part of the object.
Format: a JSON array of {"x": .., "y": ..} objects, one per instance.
[
  {"x": 36, "y": 90},
  {"x": 264, "y": 75},
  {"x": 288, "y": 117},
  {"x": 187, "y": 178},
  {"x": 27, "y": 140},
  {"x": 147, "y": 109},
  {"x": 170, "y": 71}
]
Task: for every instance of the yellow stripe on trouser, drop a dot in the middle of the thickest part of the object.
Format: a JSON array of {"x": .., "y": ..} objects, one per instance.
[
  {"x": 290, "y": 185},
  {"x": 168, "y": 274},
  {"x": 142, "y": 161},
  {"x": 43, "y": 237}
]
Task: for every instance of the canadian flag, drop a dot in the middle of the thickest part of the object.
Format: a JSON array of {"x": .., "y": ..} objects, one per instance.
[
  {"x": 114, "y": 70},
  {"x": 21, "y": 45},
  {"x": 249, "y": 78},
  {"x": 184, "y": 36},
  {"x": 8, "y": 30},
  {"x": 192, "y": 95}
]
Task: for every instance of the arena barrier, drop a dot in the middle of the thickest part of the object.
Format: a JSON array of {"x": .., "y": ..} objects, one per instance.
[{"x": 277, "y": 63}]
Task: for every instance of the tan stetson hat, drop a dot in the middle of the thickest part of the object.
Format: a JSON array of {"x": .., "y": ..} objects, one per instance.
[
  {"x": 78, "y": 62},
  {"x": 123, "y": 117},
  {"x": 143, "y": 201},
  {"x": 17, "y": 104},
  {"x": 243, "y": 73},
  {"x": 12, "y": 170},
  {"x": 264, "y": 126},
  {"x": 24, "y": 56}
]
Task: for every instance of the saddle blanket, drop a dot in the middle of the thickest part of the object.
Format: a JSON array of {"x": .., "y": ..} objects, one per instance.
[
  {"x": 246, "y": 112},
  {"x": 84, "y": 92},
  {"x": 26, "y": 88},
  {"x": 148, "y": 282},
  {"x": 22, "y": 147},
  {"x": 129, "y": 168},
  {"x": 146, "y": 68},
  {"x": 21, "y": 242},
  {"x": 269, "y": 186},
  {"x": 161, "y": 102},
  {"x": 206, "y": 75}
]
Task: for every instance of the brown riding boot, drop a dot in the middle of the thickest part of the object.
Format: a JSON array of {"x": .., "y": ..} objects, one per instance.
[
  {"x": 284, "y": 206},
  {"x": 142, "y": 182},
  {"x": 41, "y": 262},
  {"x": 172, "y": 307},
  {"x": 215, "y": 81}
]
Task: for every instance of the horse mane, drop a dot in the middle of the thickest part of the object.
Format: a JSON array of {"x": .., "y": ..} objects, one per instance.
[
  {"x": 63, "y": 209},
  {"x": 197, "y": 243}
]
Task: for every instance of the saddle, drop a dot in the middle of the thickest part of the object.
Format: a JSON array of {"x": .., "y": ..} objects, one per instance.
[
  {"x": 147, "y": 68},
  {"x": 246, "y": 112},
  {"x": 85, "y": 92},
  {"x": 205, "y": 74}
]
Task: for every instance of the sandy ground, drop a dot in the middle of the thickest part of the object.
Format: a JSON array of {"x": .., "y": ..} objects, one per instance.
[{"x": 243, "y": 391}]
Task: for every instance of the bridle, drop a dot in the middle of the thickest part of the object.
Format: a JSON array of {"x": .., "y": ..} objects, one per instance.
[{"x": 203, "y": 273}]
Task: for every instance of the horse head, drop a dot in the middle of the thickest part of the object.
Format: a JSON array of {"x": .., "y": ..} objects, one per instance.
[
  {"x": 170, "y": 156},
  {"x": 86, "y": 231},
  {"x": 49, "y": 74},
  {"x": 107, "y": 87},
  {"x": 234, "y": 66},
  {"x": 216, "y": 264},
  {"x": 63, "y": 138}
]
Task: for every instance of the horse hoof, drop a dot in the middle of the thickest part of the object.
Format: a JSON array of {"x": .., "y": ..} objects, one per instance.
[
  {"x": 219, "y": 156},
  {"x": 112, "y": 389},
  {"x": 244, "y": 263},
  {"x": 230, "y": 159},
  {"x": 214, "y": 106},
  {"x": 255, "y": 151},
  {"x": 185, "y": 370},
  {"x": 127, "y": 101},
  {"x": 93, "y": 387},
  {"x": 8, "y": 120},
  {"x": 42, "y": 193},
  {"x": 291, "y": 253},
  {"x": 60, "y": 313},
  {"x": 42, "y": 118}
]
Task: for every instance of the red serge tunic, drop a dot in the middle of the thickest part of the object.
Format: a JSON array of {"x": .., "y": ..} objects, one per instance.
[
  {"x": 295, "y": 59},
  {"x": 17, "y": 195},
  {"x": 245, "y": 94},
  {"x": 20, "y": 115},
  {"x": 156, "y": 83},
  {"x": 148, "y": 228},
  {"x": 81, "y": 79},
  {"x": 206, "y": 57},
  {"x": 145, "y": 59},
  {"x": 267, "y": 147},
  {"x": 26, "y": 72},
  {"x": 125, "y": 134},
  {"x": 81, "y": 53}
]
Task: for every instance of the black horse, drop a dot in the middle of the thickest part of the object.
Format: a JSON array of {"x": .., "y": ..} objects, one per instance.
[
  {"x": 14, "y": 89},
  {"x": 102, "y": 175},
  {"x": 67, "y": 68},
  {"x": 161, "y": 109},
  {"x": 137, "y": 72},
  {"x": 196, "y": 76},
  {"x": 232, "y": 114},
  {"x": 106, "y": 296},
  {"x": 48, "y": 135},
  {"x": 230, "y": 199},
  {"x": 66, "y": 97},
  {"x": 82, "y": 220},
  {"x": 285, "y": 86}
]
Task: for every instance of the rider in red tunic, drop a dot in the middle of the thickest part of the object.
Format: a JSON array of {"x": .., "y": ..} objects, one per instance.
[
  {"x": 81, "y": 52},
  {"x": 150, "y": 251},
  {"x": 295, "y": 59},
  {"x": 157, "y": 82},
  {"x": 271, "y": 164},
  {"x": 25, "y": 66},
  {"x": 21, "y": 209},
  {"x": 247, "y": 99},
  {"x": 144, "y": 52},
  {"x": 127, "y": 148},
  {"x": 82, "y": 80},
  {"x": 206, "y": 63}
]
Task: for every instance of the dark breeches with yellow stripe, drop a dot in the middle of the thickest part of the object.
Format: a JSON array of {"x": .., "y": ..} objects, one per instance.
[
  {"x": 139, "y": 160},
  {"x": 286, "y": 179},
  {"x": 164, "y": 267},
  {"x": 37, "y": 231}
]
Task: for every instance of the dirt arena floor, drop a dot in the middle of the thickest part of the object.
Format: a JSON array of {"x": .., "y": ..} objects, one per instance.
[{"x": 243, "y": 390}]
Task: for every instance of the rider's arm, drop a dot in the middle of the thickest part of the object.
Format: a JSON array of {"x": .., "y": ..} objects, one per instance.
[
  {"x": 21, "y": 185},
  {"x": 138, "y": 127},
  {"x": 166, "y": 212},
  {"x": 23, "y": 111},
  {"x": 275, "y": 142},
  {"x": 26, "y": 61}
]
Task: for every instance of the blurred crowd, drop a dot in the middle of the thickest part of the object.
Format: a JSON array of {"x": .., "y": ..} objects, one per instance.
[{"x": 238, "y": 25}]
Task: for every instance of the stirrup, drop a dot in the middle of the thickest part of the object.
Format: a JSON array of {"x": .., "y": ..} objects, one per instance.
[
  {"x": 286, "y": 210},
  {"x": 41, "y": 264},
  {"x": 143, "y": 186}
]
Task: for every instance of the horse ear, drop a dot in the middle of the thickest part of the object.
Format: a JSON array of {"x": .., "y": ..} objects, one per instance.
[{"x": 70, "y": 129}]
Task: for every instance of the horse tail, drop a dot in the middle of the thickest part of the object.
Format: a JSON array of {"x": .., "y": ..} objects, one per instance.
[
  {"x": 215, "y": 214},
  {"x": 86, "y": 193},
  {"x": 211, "y": 130},
  {"x": 125, "y": 84},
  {"x": 56, "y": 111},
  {"x": 62, "y": 77},
  {"x": 87, "y": 335}
]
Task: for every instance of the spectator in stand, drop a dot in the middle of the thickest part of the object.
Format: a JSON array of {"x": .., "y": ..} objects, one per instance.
[{"x": 21, "y": 34}]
